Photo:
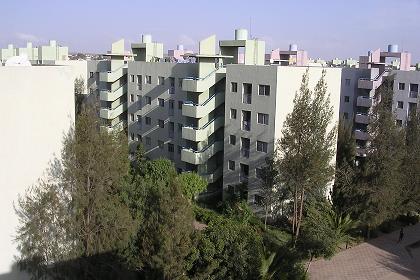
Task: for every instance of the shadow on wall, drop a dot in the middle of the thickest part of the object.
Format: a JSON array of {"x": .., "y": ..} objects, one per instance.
[{"x": 14, "y": 274}]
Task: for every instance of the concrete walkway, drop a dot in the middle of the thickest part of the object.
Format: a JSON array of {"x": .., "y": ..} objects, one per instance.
[{"x": 381, "y": 258}]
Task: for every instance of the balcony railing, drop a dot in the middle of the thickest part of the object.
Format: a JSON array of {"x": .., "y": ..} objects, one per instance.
[
  {"x": 245, "y": 152},
  {"x": 246, "y": 125},
  {"x": 246, "y": 98},
  {"x": 413, "y": 94}
]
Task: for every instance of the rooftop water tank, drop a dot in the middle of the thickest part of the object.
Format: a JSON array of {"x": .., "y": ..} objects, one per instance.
[
  {"x": 146, "y": 38},
  {"x": 241, "y": 34},
  {"x": 393, "y": 48},
  {"x": 180, "y": 47},
  {"x": 293, "y": 47}
]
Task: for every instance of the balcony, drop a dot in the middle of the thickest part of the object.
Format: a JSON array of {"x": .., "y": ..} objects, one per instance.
[
  {"x": 117, "y": 127},
  {"x": 214, "y": 176},
  {"x": 110, "y": 114},
  {"x": 109, "y": 95},
  {"x": 190, "y": 109},
  {"x": 245, "y": 152},
  {"x": 372, "y": 83},
  {"x": 413, "y": 94},
  {"x": 246, "y": 99},
  {"x": 246, "y": 125},
  {"x": 112, "y": 76},
  {"x": 200, "y": 157},
  {"x": 362, "y": 118},
  {"x": 202, "y": 133},
  {"x": 361, "y": 135},
  {"x": 202, "y": 84},
  {"x": 364, "y": 101}
]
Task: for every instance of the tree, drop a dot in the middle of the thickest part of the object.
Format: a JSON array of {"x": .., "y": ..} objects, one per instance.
[
  {"x": 381, "y": 180},
  {"x": 79, "y": 96},
  {"x": 193, "y": 184},
  {"x": 165, "y": 236},
  {"x": 411, "y": 164},
  {"x": 325, "y": 231},
  {"x": 307, "y": 147},
  {"x": 269, "y": 187},
  {"x": 85, "y": 207}
]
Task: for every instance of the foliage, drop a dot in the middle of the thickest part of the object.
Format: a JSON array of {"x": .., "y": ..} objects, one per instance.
[
  {"x": 79, "y": 96},
  {"x": 307, "y": 147},
  {"x": 193, "y": 184},
  {"x": 85, "y": 215}
]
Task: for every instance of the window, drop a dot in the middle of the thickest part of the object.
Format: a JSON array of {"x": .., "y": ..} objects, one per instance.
[
  {"x": 139, "y": 118},
  {"x": 148, "y": 80},
  {"x": 398, "y": 123},
  {"x": 131, "y": 97},
  {"x": 171, "y": 129},
  {"x": 233, "y": 87},
  {"x": 139, "y": 79},
  {"x": 245, "y": 145},
  {"x": 180, "y": 127},
  {"x": 345, "y": 115},
  {"x": 414, "y": 89},
  {"x": 262, "y": 146},
  {"x": 132, "y": 117},
  {"x": 262, "y": 118},
  {"x": 161, "y": 123},
  {"x": 264, "y": 90},
  {"x": 347, "y": 99},
  {"x": 171, "y": 104},
  {"x": 148, "y": 121},
  {"x": 231, "y": 165},
  {"x": 170, "y": 148},
  {"x": 412, "y": 107},
  {"x": 139, "y": 138},
  {"x": 258, "y": 199},
  {"x": 246, "y": 93},
  {"x": 172, "y": 81},
  {"x": 148, "y": 100},
  {"x": 132, "y": 136},
  {"x": 180, "y": 105},
  {"x": 232, "y": 139},
  {"x": 148, "y": 141},
  {"x": 400, "y": 104},
  {"x": 401, "y": 86},
  {"x": 91, "y": 74},
  {"x": 179, "y": 148},
  {"x": 259, "y": 172},
  {"x": 161, "y": 102},
  {"x": 347, "y": 82},
  {"x": 138, "y": 98},
  {"x": 180, "y": 82},
  {"x": 132, "y": 78},
  {"x": 233, "y": 113},
  {"x": 161, "y": 80},
  {"x": 161, "y": 144},
  {"x": 244, "y": 172}
]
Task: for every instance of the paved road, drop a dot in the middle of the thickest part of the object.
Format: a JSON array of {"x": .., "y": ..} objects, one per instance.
[{"x": 381, "y": 258}]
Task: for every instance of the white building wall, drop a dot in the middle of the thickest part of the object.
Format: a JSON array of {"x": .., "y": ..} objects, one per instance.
[{"x": 38, "y": 109}]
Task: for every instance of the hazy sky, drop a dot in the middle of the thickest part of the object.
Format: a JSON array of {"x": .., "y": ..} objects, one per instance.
[{"x": 325, "y": 28}]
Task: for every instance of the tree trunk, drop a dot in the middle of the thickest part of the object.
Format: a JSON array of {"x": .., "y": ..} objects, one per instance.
[
  {"x": 294, "y": 212},
  {"x": 299, "y": 220}
]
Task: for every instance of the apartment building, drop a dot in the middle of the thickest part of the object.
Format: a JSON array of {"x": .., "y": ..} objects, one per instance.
[
  {"x": 359, "y": 91},
  {"x": 36, "y": 55},
  {"x": 38, "y": 111}
]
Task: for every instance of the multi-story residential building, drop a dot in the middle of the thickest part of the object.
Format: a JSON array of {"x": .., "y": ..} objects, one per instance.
[
  {"x": 221, "y": 115},
  {"x": 359, "y": 92},
  {"x": 36, "y": 55},
  {"x": 38, "y": 111},
  {"x": 292, "y": 57}
]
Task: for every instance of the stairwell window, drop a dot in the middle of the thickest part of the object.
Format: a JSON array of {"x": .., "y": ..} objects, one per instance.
[
  {"x": 232, "y": 139},
  {"x": 131, "y": 97},
  {"x": 161, "y": 144},
  {"x": 139, "y": 138},
  {"x": 231, "y": 165},
  {"x": 161, "y": 80},
  {"x": 132, "y": 117},
  {"x": 262, "y": 118},
  {"x": 233, "y": 87},
  {"x": 400, "y": 105},
  {"x": 264, "y": 90},
  {"x": 132, "y": 78},
  {"x": 233, "y": 114},
  {"x": 132, "y": 136},
  {"x": 347, "y": 99},
  {"x": 170, "y": 148}
]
